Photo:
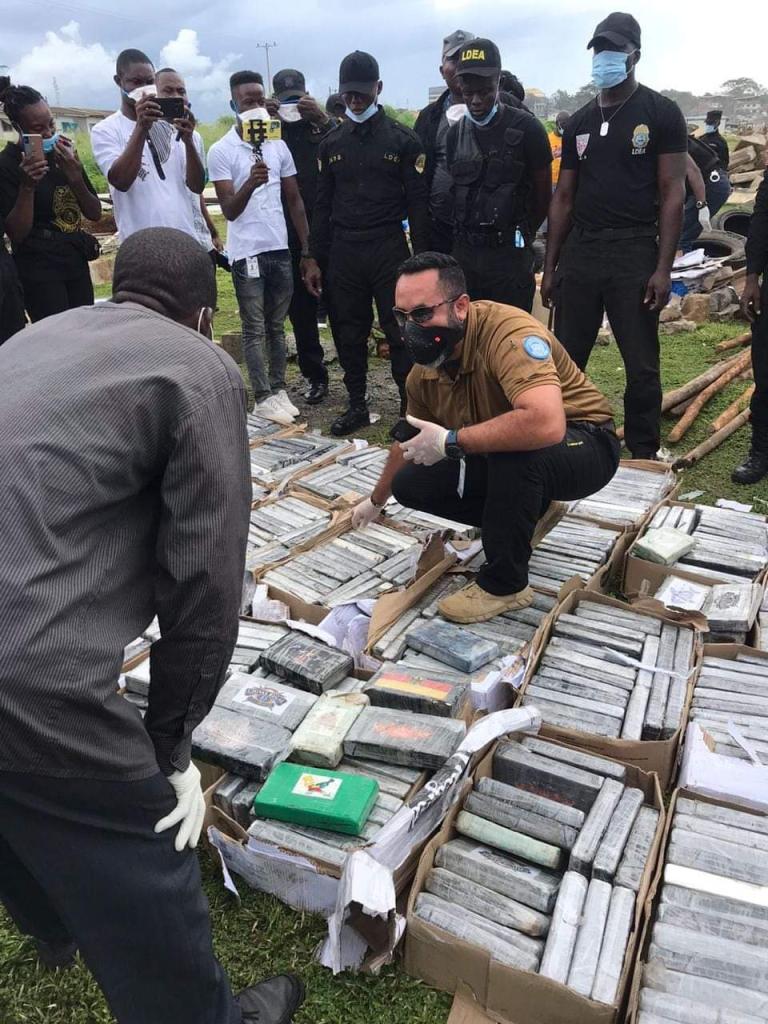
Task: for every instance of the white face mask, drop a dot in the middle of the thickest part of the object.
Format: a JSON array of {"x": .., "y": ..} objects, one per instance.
[
  {"x": 141, "y": 92},
  {"x": 288, "y": 112},
  {"x": 455, "y": 112},
  {"x": 256, "y": 114},
  {"x": 208, "y": 333}
]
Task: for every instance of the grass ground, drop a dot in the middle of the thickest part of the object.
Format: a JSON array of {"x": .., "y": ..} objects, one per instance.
[{"x": 261, "y": 936}]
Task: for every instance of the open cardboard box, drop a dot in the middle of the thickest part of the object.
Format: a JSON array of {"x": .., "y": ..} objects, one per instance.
[
  {"x": 717, "y": 776},
  {"x": 651, "y": 467},
  {"x": 643, "y": 578},
  {"x": 490, "y": 991},
  {"x": 653, "y": 897},
  {"x": 659, "y": 756}
]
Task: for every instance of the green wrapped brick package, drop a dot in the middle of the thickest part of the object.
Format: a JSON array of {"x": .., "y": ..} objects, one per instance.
[{"x": 313, "y": 796}]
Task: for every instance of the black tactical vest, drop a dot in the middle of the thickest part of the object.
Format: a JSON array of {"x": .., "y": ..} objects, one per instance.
[{"x": 488, "y": 190}]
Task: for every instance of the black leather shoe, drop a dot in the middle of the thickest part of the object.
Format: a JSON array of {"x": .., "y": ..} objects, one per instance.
[
  {"x": 273, "y": 1001},
  {"x": 354, "y": 418},
  {"x": 318, "y": 390},
  {"x": 753, "y": 468},
  {"x": 56, "y": 957}
]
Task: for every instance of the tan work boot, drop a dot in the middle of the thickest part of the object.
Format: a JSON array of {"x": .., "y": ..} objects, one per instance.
[
  {"x": 473, "y": 604},
  {"x": 549, "y": 521}
]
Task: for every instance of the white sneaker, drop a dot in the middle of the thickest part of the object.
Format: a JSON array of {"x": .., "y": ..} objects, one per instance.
[
  {"x": 273, "y": 409},
  {"x": 282, "y": 397}
]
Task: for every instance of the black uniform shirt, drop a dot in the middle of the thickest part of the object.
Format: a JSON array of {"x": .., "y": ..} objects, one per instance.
[
  {"x": 125, "y": 493},
  {"x": 716, "y": 141},
  {"x": 55, "y": 210},
  {"x": 617, "y": 184},
  {"x": 303, "y": 140},
  {"x": 757, "y": 238},
  {"x": 370, "y": 179}
]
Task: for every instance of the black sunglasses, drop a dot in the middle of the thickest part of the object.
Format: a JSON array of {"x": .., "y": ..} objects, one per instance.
[{"x": 420, "y": 314}]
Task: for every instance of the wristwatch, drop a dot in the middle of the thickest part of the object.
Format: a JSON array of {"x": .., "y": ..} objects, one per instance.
[{"x": 453, "y": 449}]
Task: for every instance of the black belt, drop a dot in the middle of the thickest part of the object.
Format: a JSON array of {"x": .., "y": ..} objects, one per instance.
[
  {"x": 611, "y": 234},
  {"x": 487, "y": 239},
  {"x": 607, "y": 426},
  {"x": 368, "y": 234}
]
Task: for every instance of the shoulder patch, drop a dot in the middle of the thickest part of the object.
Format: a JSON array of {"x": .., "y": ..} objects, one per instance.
[
  {"x": 421, "y": 162},
  {"x": 537, "y": 348}
]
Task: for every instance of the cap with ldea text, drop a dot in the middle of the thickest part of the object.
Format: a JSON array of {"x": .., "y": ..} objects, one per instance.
[
  {"x": 358, "y": 71},
  {"x": 288, "y": 83},
  {"x": 479, "y": 57},
  {"x": 619, "y": 29},
  {"x": 454, "y": 42}
]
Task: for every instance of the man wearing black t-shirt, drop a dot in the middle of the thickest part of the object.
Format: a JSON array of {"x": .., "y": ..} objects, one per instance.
[
  {"x": 501, "y": 165},
  {"x": 615, "y": 221}
]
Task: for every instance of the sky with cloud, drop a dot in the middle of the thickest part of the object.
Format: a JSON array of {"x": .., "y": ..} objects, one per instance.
[{"x": 68, "y": 49}]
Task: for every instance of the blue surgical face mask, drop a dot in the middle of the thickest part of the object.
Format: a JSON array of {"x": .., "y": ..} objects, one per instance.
[
  {"x": 483, "y": 121},
  {"x": 609, "y": 69},
  {"x": 50, "y": 144},
  {"x": 366, "y": 114},
  {"x": 709, "y": 128}
]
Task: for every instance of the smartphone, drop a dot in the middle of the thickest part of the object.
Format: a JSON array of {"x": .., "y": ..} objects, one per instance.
[
  {"x": 403, "y": 431},
  {"x": 33, "y": 145},
  {"x": 172, "y": 107}
]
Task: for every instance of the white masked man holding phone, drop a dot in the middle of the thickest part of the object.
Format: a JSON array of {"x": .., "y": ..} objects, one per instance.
[{"x": 150, "y": 158}]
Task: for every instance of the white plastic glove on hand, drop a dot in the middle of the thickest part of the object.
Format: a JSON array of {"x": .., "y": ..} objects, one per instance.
[
  {"x": 364, "y": 514},
  {"x": 428, "y": 447},
  {"x": 189, "y": 810},
  {"x": 704, "y": 219}
]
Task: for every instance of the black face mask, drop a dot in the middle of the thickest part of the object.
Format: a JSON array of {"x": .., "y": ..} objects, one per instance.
[{"x": 431, "y": 345}]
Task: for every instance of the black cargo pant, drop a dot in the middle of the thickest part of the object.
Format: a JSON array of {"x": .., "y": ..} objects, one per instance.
[
  {"x": 502, "y": 274},
  {"x": 303, "y": 316},
  {"x": 362, "y": 271},
  {"x": 80, "y": 861},
  {"x": 759, "y": 403},
  {"x": 604, "y": 272},
  {"x": 506, "y": 493}
]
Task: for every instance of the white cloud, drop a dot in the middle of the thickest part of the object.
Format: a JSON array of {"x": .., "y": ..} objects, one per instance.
[
  {"x": 74, "y": 65},
  {"x": 205, "y": 78}
]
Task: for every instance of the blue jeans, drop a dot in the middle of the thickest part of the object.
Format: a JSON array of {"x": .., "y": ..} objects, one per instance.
[
  {"x": 264, "y": 302},
  {"x": 717, "y": 193}
]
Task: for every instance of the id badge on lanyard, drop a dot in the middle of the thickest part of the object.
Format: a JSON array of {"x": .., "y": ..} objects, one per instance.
[{"x": 252, "y": 266}]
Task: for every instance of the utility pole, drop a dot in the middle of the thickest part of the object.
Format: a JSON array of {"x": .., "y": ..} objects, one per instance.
[
  {"x": 56, "y": 92},
  {"x": 266, "y": 47}
]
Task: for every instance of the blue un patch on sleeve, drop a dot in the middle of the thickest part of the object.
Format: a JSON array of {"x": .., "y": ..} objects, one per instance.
[{"x": 537, "y": 348}]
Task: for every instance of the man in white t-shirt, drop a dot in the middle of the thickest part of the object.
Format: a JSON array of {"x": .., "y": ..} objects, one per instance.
[
  {"x": 170, "y": 84},
  {"x": 251, "y": 183},
  {"x": 151, "y": 165}
]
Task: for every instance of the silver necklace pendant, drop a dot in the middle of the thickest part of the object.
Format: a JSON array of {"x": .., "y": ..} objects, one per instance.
[{"x": 604, "y": 128}]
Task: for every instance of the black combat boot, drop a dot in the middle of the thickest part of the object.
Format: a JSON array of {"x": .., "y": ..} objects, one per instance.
[
  {"x": 353, "y": 419},
  {"x": 755, "y": 466},
  {"x": 273, "y": 1001}
]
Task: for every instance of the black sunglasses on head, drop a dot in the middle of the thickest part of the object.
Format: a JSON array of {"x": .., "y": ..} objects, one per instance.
[{"x": 420, "y": 314}]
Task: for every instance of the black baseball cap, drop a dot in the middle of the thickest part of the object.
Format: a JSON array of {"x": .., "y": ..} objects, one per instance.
[
  {"x": 479, "y": 57},
  {"x": 619, "y": 29},
  {"x": 454, "y": 42},
  {"x": 714, "y": 116},
  {"x": 358, "y": 71},
  {"x": 287, "y": 83}
]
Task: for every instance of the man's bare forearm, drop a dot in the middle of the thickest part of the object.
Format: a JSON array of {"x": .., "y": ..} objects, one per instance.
[
  {"x": 125, "y": 169},
  {"x": 394, "y": 464},
  {"x": 670, "y": 226},
  {"x": 521, "y": 430}
]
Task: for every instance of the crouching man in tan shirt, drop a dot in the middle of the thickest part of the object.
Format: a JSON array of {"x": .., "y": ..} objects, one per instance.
[{"x": 501, "y": 423}]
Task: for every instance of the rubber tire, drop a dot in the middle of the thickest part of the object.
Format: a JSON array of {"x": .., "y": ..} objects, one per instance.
[
  {"x": 734, "y": 220},
  {"x": 721, "y": 243}
]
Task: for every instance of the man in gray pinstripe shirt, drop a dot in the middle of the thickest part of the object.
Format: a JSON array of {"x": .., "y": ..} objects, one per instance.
[{"x": 124, "y": 493}]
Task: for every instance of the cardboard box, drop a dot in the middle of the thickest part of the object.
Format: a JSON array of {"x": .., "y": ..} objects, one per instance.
[
  {"x": 659, "y": 756},
  {"x": 652, "y": 899},
  {"x": 503, "y": 993},
  {"x": 642, "y": 578},
  {"x": 651, "y": 467},
  {"x": 717, "y": 776}
]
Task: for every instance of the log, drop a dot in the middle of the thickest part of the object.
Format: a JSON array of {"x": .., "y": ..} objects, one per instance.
[
  {"x": 742, "y": 339},
  {"x": 685, "y": 391},
  {"x": 697, "y": 453},
  {"x": 733, "y": 410},
  {"x": 739, "y": 365}
]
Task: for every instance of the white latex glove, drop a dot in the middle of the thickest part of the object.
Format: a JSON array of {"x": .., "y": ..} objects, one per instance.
[
  {"x": 706, "y": 223},
  {"x": 428, "y": 447},
  {"x": 364, "y": 514},
  {"x": 189, "y": 810}
]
